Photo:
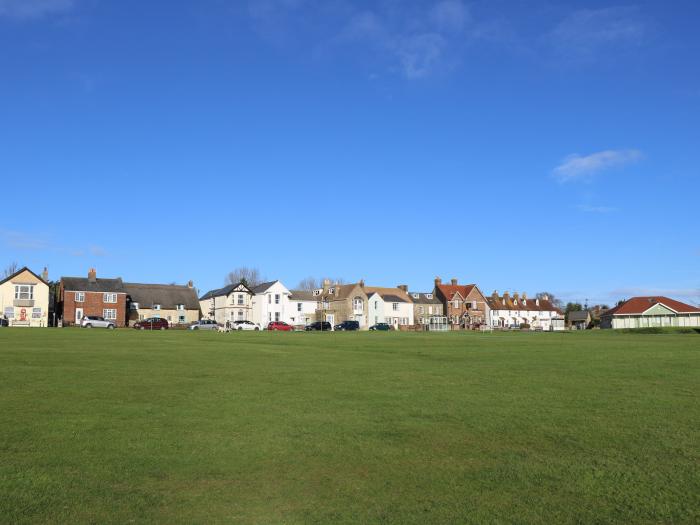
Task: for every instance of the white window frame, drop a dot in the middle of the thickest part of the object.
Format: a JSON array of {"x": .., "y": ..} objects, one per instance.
[
  {"x": 109, "y": 314},
  {"x": 277, "y": 298},
  {"x": 79, "y": 297},
  {"x": 395, "y": 307},
  {"x": 109, "y": 298},
  {"x": 156, "y": 307},
  {"x": 28, "y": 292}
]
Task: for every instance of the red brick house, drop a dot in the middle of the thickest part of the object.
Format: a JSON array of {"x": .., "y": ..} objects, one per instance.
[
  {"x": 464, "y": 304},
  {"x": 79, "y": 296}
]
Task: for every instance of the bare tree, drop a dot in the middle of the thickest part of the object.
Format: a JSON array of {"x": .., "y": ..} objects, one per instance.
[
  {"x": 552, "y": 298},
  {"x": 313, "y": 283},
  {"x": 245, "y": 275},
  {"x": 10, "y": 269}
]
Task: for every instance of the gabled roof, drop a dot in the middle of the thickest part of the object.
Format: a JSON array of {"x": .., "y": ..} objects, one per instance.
[
  {"x": 262, "y": 287},
  {"x": 226, "y": 290},
  {"x": 449, "y": 290},
  {"x": 391, "y": 295},
  {"x": 639, "y": 305},
  {"x": 579, "y": 316},
  {"x": 83, "y": 284},
  {"x": 24, "y": 269},
  {"x": 343, "y": 292},
  {"x": 168, "y": 296},
  {"x": 302, "y": 295},
  {"x": 422, "y": 298}
]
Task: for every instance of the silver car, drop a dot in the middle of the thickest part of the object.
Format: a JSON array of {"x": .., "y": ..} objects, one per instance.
[
  {"x": 94, "y": 321},
  {"x": 204, "y": 324}
]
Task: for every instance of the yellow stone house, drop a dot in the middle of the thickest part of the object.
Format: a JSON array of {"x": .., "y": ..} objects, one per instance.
[{"x": 24, "y": 299}]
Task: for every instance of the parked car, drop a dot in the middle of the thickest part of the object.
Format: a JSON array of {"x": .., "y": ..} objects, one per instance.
[
  {"x": 4, "y": 322},
  {"x": 280, "y": 325},
  {"x": 383, "y": 327},
  {"x": 245, "y": 325},
  {"x": 348, "y": 326},
  {"x": 204, "y": 324},
  {"x": 152, "y": 323},
  {"x": 94, "y": 321},
  {"x": 319, "y": 326}
]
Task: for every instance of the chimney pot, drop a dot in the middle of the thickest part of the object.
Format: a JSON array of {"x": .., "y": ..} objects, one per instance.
[
  {"x": 362, "y": 283},
  {"x": 403, "y": 287},
  {"x": 454, "y": 282},
  {"x": 45, "y": 274},
  {"x": 190, "y": 284}
]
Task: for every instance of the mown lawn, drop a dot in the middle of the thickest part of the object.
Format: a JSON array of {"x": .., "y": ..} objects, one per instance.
[{"x": 182, "y": 427}]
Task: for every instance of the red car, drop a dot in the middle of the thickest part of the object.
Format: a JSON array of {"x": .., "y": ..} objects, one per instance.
[
  {"x": 153, "y": 323},
  {"x": 279, "y": 325}
]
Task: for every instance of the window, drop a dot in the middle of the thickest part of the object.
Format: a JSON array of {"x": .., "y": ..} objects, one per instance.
[
  {"x": 269, "y": 316},
  {"x": 134, "y": 306},
  {"x": 180, "y": 307},
  {"x": 277, "y": 298},
  {"x": 110, "y": 314},
  {"x": 376, "y": 305},
  {"x": 240, "y": 298},
  {"x": 269, "y": 299},
  {"x": 325, "y": 304},
  {"x": 109, "y": 298},
  {"x": 357, "y": 304},
  {"x": 455, "y": 303},
  {"x": 240, "y": 315},
  {"x": 430, "y": 310},
  {"x": 277, "y": 316},
  {"x": 170, "y": 318},
  {"x": 181, "y": 319},
  {"x": 80, "y": 297},
  {"x": 420, "y": 309},
  {"x": 429, "y": 295},
  {"x": 156, "y": 307},
  {"x": 298, "y": 307},
  {"x": 24, "y": 291},
  {"x": 395, "y": 307}
]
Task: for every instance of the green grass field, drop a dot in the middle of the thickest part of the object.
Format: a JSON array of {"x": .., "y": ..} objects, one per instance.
[{"x": 183, "y": 427}]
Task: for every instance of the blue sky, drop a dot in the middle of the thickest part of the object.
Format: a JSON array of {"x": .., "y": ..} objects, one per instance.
[{"x": 524, "y": 146}]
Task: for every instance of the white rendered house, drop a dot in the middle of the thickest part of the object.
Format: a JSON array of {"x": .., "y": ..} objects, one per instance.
[{"x": 271, "y": 303}]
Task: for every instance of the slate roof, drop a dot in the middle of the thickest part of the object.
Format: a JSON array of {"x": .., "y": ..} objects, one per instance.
[
  {"x": 639, "y": 305},
  {"x": 262, "y": 287},
  {"x": 82, "y": 284},
  {"x": 223, "y": 291},
  {"x": 168, "y": 296},
  {"x": 344, "y": 291},
  {"x": 302, "y": 295},
  {"x": 24, "y": 269},
  {"x": 392, "y": 295},
  {"x": 423, "y": 298},
  {"x": 579, "y": 316}
]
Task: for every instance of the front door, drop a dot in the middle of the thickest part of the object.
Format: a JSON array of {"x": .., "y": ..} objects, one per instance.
[
  {"x": 331, "y": 319},
  {"x": 78, "y": 315}
]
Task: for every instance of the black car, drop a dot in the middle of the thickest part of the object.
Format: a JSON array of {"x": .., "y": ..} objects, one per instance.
[
  {"x": 319, "y": 326},
  {"x": 348, "y": 326},
  {"x": 381, "y": 327}
]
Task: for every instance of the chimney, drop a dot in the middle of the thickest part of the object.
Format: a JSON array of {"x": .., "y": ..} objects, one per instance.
[
  {"x": 336, "y": 290},
  {"x": 92, "y": 275},
  {"x": 506, "y": 297},
  {"x": 326, "y": 285},
  {"x": 494, "y": 295},
  {"x": 45, "y": 274},
  {"x": 362, "y": 283},
  {"x": 190, "y": 284},
  {"x": 454, "y": 282},
  {"x": 438, "y": 281},
  {"x": 524, "y": 296},
  {"x": 403, "y": 287},
  {"x": 516, "y": 296}
]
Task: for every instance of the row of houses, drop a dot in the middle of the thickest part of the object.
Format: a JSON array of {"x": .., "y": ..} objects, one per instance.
[{"x": 25, "y": 300}]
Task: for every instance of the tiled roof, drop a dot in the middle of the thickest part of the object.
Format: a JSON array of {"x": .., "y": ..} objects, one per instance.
[
  {"x": 422, "y": 298},
  {"x": 223, "y": 291},
  {"x": 578, "y": 316},
  {"x": 262, "y": 287},
  {"x": 449, "y": 290},
  {"x": 499, "y": 303},
  {"x": 83, "y": 284},
  {"x": 302, "y": 295},
  {"x": 639, "y": 305}
]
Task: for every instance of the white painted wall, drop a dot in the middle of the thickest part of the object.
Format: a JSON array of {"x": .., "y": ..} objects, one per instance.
[
  {"x": 34, "y": 316},
  {"x": 272, "y": 305}
]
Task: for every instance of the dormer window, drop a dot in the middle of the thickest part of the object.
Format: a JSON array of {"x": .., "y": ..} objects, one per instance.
[
  {"x": 316, "y": 293},
  {"x": 416, "y": 296},
  {"x": 134, "y": 306},
  {"x": 331, "y": 290},
  {"x": 429, "y": 295},
  {"x": 180, "y": 307},
  {"x": 156, "y": 306}
]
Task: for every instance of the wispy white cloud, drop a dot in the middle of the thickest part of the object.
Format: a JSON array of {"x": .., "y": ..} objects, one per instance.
[
  {"x": 596, "y": 209},
  {"x": 412, "y": 39},
  {"x": 25, "y": 9},
  {"x": 585, "y": 33},
  {"x": 583, "y": 167},
  {"x": 24, "y": 241}
]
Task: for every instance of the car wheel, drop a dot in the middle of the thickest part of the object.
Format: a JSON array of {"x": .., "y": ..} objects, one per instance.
[
  {"x": 110, "y": 327},
  {"x": 240, "y": 328},
  {"x": 142, "y": 328},
  {"x": 256, "y": 328},
  {"x": 162, "y": 328},
  {"x": 88, "y": 326}
]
